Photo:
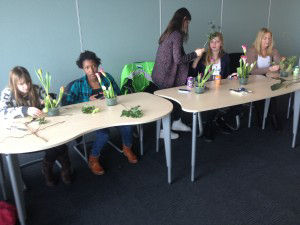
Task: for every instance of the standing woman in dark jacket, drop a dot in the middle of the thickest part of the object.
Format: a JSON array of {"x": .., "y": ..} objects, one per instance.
[
  {"x": 221, "y": 65},
  {"x": 172, "y": 64}
]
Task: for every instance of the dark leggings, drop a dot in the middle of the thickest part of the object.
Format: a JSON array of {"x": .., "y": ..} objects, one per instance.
[
  {"x": 55, "y": 153},
  {"x": 177, "y": 112},
  {"x": 259, "y": 107}
]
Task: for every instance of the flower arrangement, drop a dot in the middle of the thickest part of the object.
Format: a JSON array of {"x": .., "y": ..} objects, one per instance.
[
  {"x": 49, "y": 102},
  {"x": 287, "y": 64},
  {"x": 244, "y": 69},
  {"x": 201, "y": 79},
  {"x": 108, "y": 92}
]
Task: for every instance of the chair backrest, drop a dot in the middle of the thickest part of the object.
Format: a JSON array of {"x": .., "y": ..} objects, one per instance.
[
  {"x": 66, "y": 92},
  {"x": 136, "y": 77},
  {"x": 234, "y": 61}
]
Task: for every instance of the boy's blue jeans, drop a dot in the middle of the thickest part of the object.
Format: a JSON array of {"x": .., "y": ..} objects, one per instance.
[{"x": 102, "y": 137}]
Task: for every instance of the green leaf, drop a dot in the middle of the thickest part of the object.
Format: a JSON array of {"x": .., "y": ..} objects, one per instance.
[
  {"x": 89, "y": 109},
  {"x": 275, "y": 87},
  {"x": 133, "y": 112}
]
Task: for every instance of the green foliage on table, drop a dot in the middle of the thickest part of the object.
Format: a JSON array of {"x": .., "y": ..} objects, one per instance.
[
  {"x": 287, "y": 64},
  {"x": 133, "y": 112},
  {"x": 89, "y": 109},
  {"x": 201, "y": 80},
  {"x": 45, "y": 82},
  {"x": 42, "y": 120},
  {"x": 283, "y": 83}
]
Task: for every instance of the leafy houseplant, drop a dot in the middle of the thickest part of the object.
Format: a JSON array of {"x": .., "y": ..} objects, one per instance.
[
  {"x": 109, "y": 93},
  {"x": 244, "y": 69},
  {"x": 286, "y": 65},
  {"x": 51, "y": 105},
  {"x": 201, "y": 80}
]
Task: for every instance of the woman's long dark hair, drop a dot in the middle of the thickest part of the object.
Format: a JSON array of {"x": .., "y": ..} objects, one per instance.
[{"x": 176, "y": 23}]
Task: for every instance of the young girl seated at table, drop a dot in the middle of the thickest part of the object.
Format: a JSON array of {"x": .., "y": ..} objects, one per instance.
[
  {"x": 215, "y": 55},
  {"x": 20, "y": 99}
]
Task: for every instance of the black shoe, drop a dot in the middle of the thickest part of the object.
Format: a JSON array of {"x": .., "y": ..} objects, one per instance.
[
  {"x": 276, "y": 124},
  {"x": 223, "y": 127}
]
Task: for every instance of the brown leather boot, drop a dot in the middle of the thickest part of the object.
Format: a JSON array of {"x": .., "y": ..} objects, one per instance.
[
  {"x": 66, "y": 173},
  {"x": 129, "y": 154},
  {"x": 95, "y": 166},
  {"x": 47, "y": 170}
]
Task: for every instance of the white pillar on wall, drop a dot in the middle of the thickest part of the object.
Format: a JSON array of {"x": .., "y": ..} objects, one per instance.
[
  {"x": 269, "y": 13},
  {"x": 159, "y": 17},
  {"x": 79, "y": 26},
  {"x": 221, "y": 16}
]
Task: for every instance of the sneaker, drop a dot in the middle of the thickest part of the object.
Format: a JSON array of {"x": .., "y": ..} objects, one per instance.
[
  {"x": 173, "y": 135},
  {"x": 178, "y": 125}
]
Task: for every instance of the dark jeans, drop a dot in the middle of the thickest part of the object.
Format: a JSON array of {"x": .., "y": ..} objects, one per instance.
[
  {"x": 259, "y": 108},
  {"x": 102, "y": 137},
  {"x": 177, "y": 112},
  {"x": 53, "y": 154}
]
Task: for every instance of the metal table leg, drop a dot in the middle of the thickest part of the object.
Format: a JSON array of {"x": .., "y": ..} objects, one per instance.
[
  {"x": 267, "y": 104},
  {"x": 193, "y": 146},
  {"x": 2, "y": 179},
  {"x": 200, "y": 124},
  {"x": 167, "y": 140},
  {"x": 296, "y": 116},
  {"x": 250, "y": 115},
  {"x": 158, "y": 124},
  {"x": 17, "y": 185},
  {"x": 141, "y": 139}
]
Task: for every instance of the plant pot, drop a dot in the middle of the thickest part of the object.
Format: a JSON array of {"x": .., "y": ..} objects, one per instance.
[
  {"x": 111, "y": 101},
  {"x": 243, "y": 80},
  {"x": 199, "y": 90},
  {"x": 53, "y": 111},
  {"x": 284, "y": 74}
]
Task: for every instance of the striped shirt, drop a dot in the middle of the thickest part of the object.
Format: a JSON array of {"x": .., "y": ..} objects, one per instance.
[{"x": 9, "y": 109}]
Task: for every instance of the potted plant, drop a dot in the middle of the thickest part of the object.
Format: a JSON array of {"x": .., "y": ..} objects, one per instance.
[
  {"x": 244, "y": 69},
  {"x": 201, "y": 79},
  {"x": 108, "y": 92},
  {"x": 51, "y": 105},
  {"x": 286, "y": 65}
]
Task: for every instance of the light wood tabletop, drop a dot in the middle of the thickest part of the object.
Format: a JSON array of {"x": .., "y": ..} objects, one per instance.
[
  {"x": 219, "y": 96},
  {"x": 18, "y": 137},
  {"x": 71, "y": 123}
]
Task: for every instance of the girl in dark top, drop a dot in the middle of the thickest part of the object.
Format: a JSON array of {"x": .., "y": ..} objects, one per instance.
[
  {"x": 21, "y": 99},
  {"x": 172, "y": 64},
  {"x": 221, "y": 64},
  {"x": 215, "y": 54}
]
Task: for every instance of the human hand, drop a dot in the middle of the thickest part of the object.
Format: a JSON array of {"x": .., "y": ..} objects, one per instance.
[
  {"x": 34, "y": 112},
  {"x": 233, "y": 76},
  {"x": 274, "y": 68},
  {"x": 93, "y": 97},
  {"x": 200, "y": 51}
]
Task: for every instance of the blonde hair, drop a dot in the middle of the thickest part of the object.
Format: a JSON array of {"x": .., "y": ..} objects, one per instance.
[
  {"x": 20, "y": 74},
  {"x": 257, "y": 43}
]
